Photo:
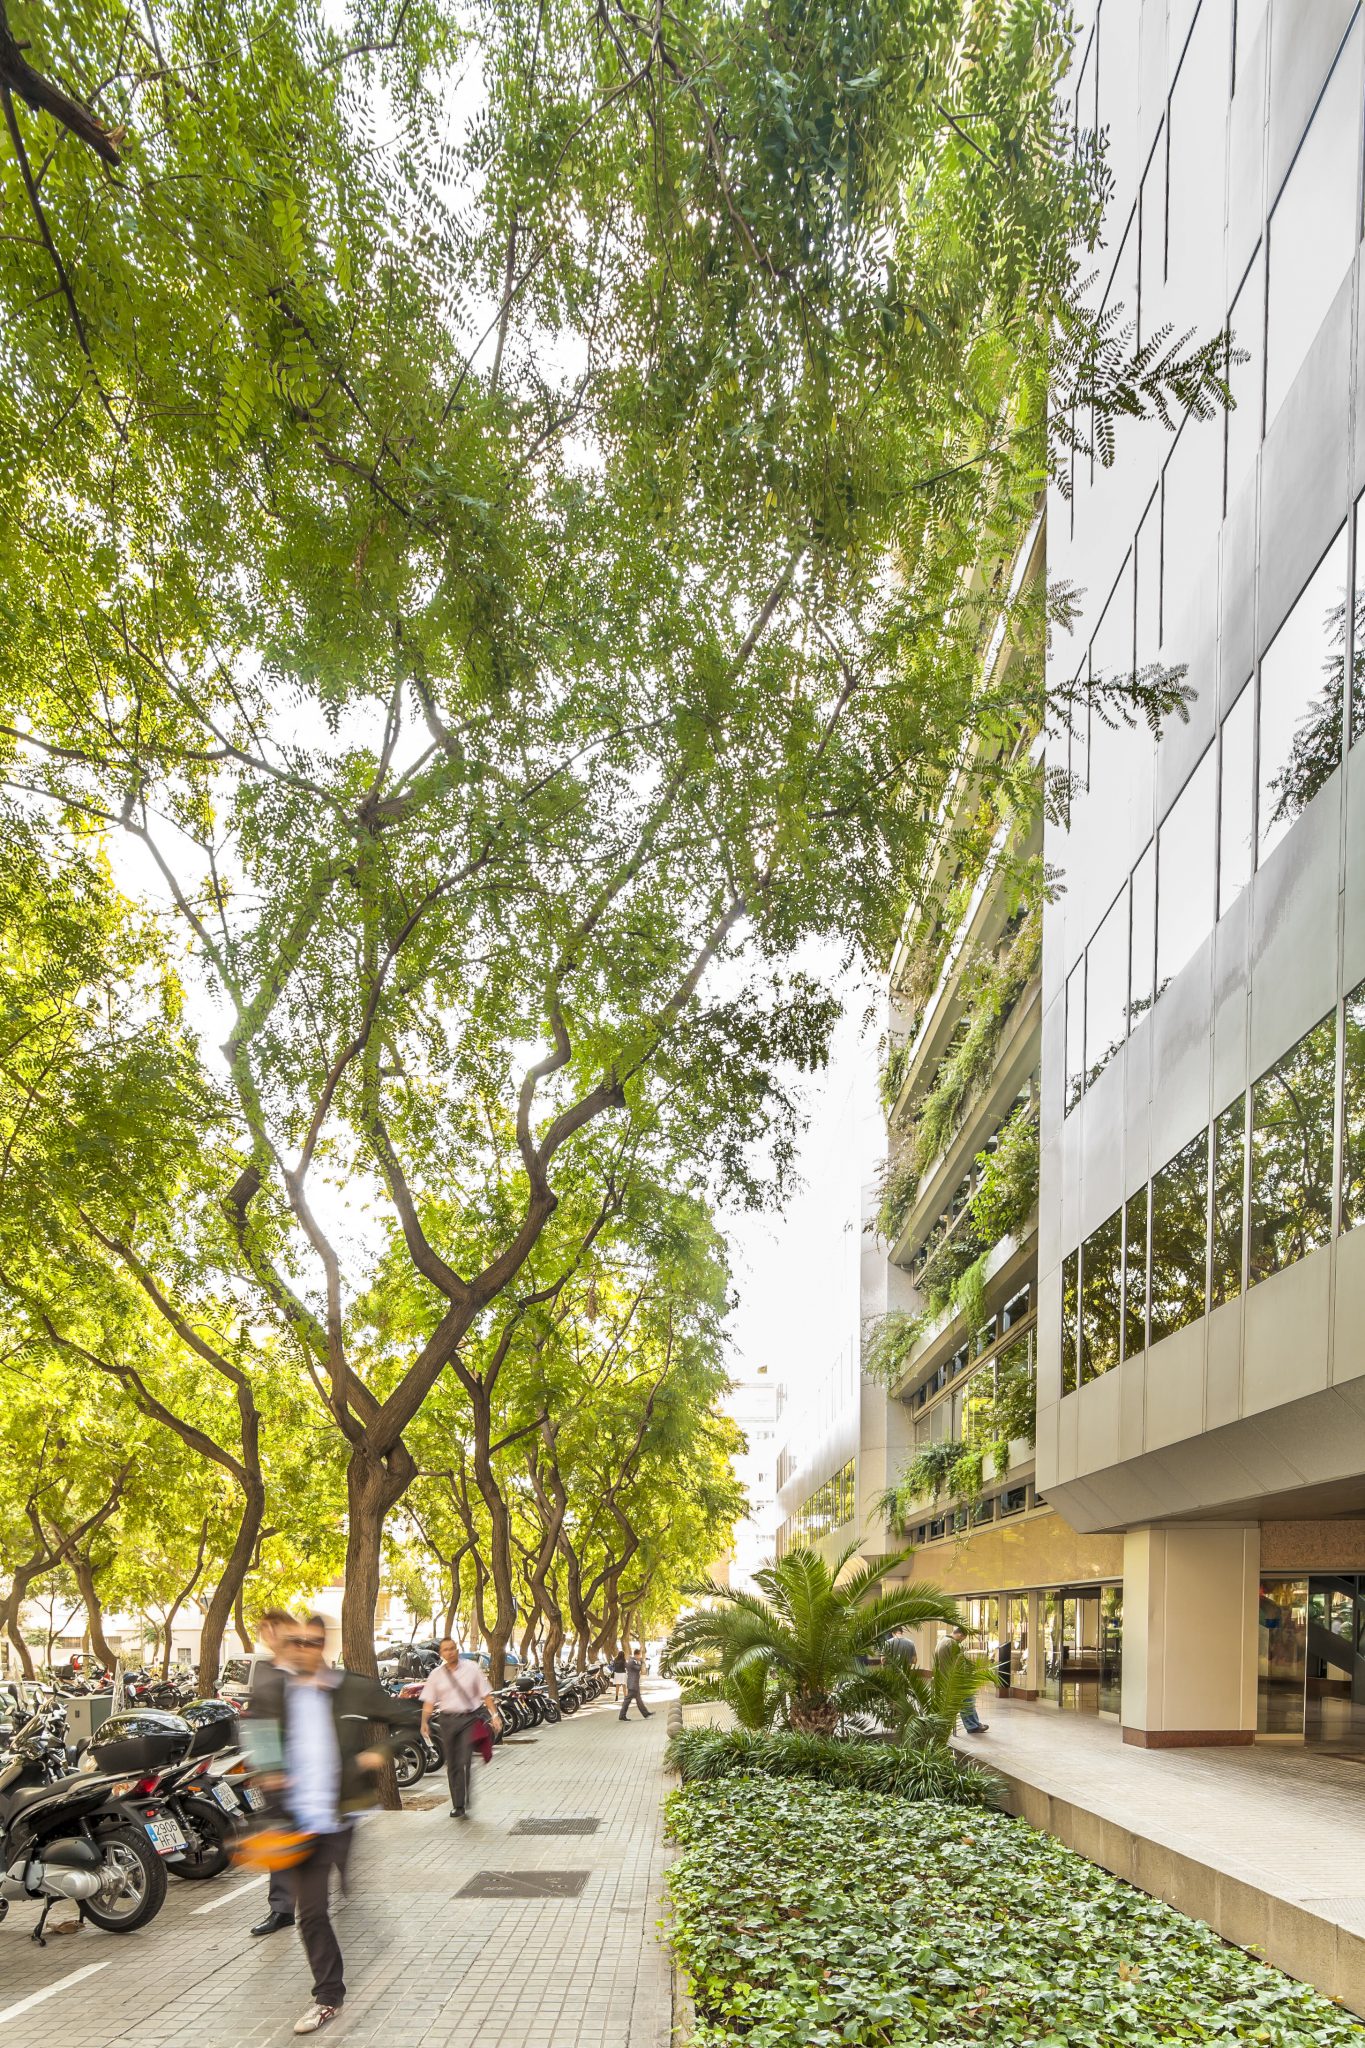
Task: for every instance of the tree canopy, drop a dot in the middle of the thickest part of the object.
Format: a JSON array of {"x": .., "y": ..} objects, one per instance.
[{"x": 500, "y": 512}]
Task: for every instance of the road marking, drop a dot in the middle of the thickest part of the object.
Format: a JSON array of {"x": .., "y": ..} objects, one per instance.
[
  {"x": 12, "y": 2012},
  {"x": 236, "y": 1893}
]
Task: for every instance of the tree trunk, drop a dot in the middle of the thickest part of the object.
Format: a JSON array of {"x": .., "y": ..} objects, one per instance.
[
  {"x": 228, "y": 1591},
  {"x": 239, "y": 1621},
  {"x": 373, "y": 1487},
  {"x": 180, "y": 1600},
  {"x": 499, "y": 1535},
  {"x": 94, "y": 1610}
]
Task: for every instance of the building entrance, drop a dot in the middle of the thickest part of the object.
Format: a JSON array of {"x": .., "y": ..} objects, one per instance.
[
  {"x": 1082, "y": 1630},
  {"x": 1312, "y": 1660}
]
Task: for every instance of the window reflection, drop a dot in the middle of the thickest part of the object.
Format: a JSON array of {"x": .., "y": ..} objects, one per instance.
[
  {"x": 1075, "y": 1033},
  {"x": 1229, "y": 1162},
  {"x": 1184, "y": 899},
  {"x": 1292, "y": 1117},
  {"x": 1135, "y": 1273},
  {"x": 1142, "y": 963},
  {"x": 1358, "y": 639},
  {"x": 1353, "y": 1129},
  {"x": 1101, "y": 1267},
  {"x": 1235, "y": 801},
  {"x": 1071, "y": 1269},
  {"x": 1247, "y": 322},
  {"x": 1312, "y": 229},
  {"x": 1180, "y": 1203},
  {"x": 1302, "y": 678},
  {"x": 1106, "y": 973}
]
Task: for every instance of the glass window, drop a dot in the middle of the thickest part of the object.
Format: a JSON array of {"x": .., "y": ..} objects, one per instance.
[
  {"x": 1147, "y": 568},
  {"x": 1353, "y": 1121},
  {"x": 1142, "y": 962},
  {"x": 1101, "y": 1272},
  {"x": 1106, "y": 975},
  {"x": 1135, "y": 1274},
  {"x": 1229, "y": 1163},
  {"x": 1180, "y": 1209},
  {"x": 1152, "y": 247},
  {"x": 1302, "y": 674},
  {"x": 1184, "y": 883},
  {"x": 1312, "y": 228},
  {"x": 1235, "y": 800},
  {"x": 1247, "y": 324},
  {"x": 1191, "y": 513},
  {"x": 1292, "y": 1117},
  {"x": 1071, "y": 1270},
  {"x": 1249, "y": 16},
  {"x": 1358, "y": 636},
  {"x": 1075, "y": 1034}
]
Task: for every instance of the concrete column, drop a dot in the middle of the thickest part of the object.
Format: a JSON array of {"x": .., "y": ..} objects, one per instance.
[
  {"x": 1033, "y": 1686},
  {"x": 1189, "y": 1633}
]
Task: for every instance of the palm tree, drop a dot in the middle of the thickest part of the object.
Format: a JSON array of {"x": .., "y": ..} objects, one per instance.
[{"x": 805, "y": 1634}]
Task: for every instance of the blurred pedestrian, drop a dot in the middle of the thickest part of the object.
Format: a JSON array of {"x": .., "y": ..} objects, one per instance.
[
  {"x": 453, "y": 1697},
  {"x": 264, "y": 1703},
  {"x": 330, "y": 1771},
  {"x": 634, "y": 1668}
]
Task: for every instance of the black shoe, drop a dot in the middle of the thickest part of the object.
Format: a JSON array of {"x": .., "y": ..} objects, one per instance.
[
  {"x": 273, "y": 1922},
  {"x": 459, "y": 1813}
]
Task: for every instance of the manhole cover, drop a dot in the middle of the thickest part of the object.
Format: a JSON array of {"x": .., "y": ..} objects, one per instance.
[
  {"x": 558, "y": 1824},
  {"x": 524, "y": 1884},
  {"x": 518, "y": 1741}
]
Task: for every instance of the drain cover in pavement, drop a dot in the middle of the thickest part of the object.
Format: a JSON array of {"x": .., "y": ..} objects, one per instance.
[
  {"x": 524, "y": 1884},
  {"x": 558, "y": 1824}
]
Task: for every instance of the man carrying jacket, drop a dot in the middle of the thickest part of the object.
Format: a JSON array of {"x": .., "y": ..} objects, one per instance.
[{"x": 329, "y": 1774}]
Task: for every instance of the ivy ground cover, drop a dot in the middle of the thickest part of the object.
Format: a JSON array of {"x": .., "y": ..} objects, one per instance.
[{"x": 805, "y": 1917}]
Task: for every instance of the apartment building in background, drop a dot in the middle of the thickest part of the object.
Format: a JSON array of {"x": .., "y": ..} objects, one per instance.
[{"x": 1184, "y": 1550}]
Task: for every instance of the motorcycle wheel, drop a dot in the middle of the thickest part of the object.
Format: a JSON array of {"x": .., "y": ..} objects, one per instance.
[
  {"x": 569, "y": 1703},
  {"x": 409, "y": 1763},
  {"x": 209, "y": 1833},
  {"x": 135, "y": 1890},
  {"x": 550, "y": 1709}
]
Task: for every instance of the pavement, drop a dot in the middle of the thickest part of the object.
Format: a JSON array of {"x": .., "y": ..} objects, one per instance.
[
  {"x": 425, "y": 1968},
  {"x": 1265, "y": 1842}
]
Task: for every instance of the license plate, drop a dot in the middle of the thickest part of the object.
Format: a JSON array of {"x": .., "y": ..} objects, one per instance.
[
  {"x": 254, "y": 1799},
  {"x": 167, "y": 1836},
  {"x": 226, "y": 1798}
]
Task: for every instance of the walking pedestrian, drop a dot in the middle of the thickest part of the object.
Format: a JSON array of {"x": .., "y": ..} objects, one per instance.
[
  {"x": 634, "y": 1667},
  {"x": 618, "y": 1674},
  {"x": 972, "y": 1723},
  {"x": 452, "y": 1697},
  {"x": 329, "y": 1775},
  {"x": 265, "y": 1702}
]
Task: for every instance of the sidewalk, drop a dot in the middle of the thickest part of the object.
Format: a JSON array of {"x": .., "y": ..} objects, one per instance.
[
  {"x": 424, "y": 1968},
  {"x": 1265, "y": 1843}
]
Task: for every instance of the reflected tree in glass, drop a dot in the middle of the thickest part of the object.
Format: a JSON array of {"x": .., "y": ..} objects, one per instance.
[
  {"x": 1303, "y": 682},
  {"x": 1101, "y": 1297},
  {"x": 1135, "y": 1274},
  {"x": 1353, "y": 1121},
  {"x": 1229, "y": 1164},
  {"x": 1071, "y": 1272},
  {"x": 1180, "y": 1210},
  {"x": 1292, "y": 1117}
]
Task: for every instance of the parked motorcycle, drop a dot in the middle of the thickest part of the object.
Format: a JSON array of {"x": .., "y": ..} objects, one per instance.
[{"x": 70, "y": 1836}]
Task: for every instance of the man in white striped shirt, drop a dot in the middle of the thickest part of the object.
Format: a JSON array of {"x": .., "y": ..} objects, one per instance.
[{"x": 452, "y": 1696}]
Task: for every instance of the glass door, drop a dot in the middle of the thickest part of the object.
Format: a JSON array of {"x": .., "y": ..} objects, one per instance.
[{"x": 1334, "y": 1688}]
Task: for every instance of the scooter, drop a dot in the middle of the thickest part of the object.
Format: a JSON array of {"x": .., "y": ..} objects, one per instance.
[{"x": 72, "y": 1838}]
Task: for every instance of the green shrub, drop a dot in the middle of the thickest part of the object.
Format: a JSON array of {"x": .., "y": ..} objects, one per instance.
[
  {"x": 911, "y": 1770},
  {"x": 805, "y": 1917}
]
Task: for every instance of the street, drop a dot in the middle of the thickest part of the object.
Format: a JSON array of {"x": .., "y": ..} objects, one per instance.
[{"x": 423, "y": 1966}]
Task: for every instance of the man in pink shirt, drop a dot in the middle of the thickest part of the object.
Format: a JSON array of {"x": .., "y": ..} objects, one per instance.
[{"x": 452, "y": 1697}]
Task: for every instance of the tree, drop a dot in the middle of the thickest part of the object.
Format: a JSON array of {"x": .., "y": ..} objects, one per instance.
[
  {"x": 806, "y": 1632},
  {"x": 462, "y": 572}
]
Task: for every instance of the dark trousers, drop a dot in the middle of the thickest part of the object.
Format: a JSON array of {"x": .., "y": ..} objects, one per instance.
[
  {"x": 633, "y": 1693},
  {"x": 280, "y": 1893},
  {"x": 454, "y": 1732},
  {"x": 311, "y": 1880}
]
